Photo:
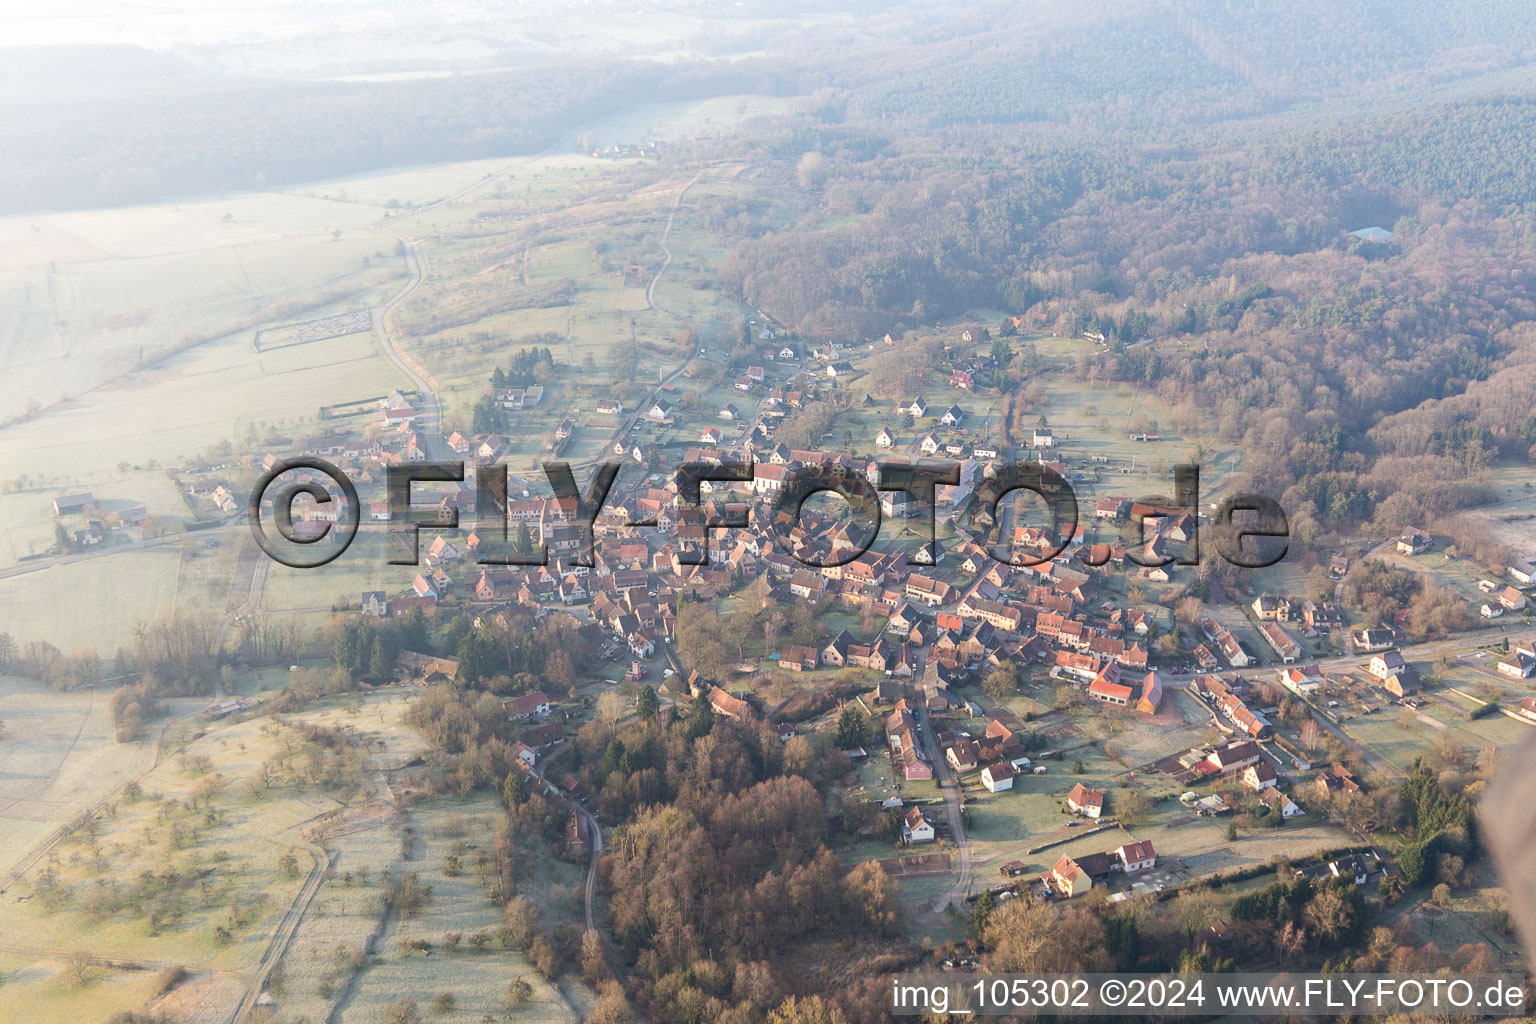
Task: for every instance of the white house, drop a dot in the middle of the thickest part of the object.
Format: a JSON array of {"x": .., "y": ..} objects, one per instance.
[
  {"x": 915, "y": 827},
  {"x": 1259, "y": 777},
  {"x": 918, "y": 408},
  {"x": 529, "y": 705},
  {"x": 1523, "y": 573},
  {"x": 1043, "y": 438},
  {"x": 1084, "y": 801},
  {"x": 885, "y": 439},
  {"x": 1137, "y": 856},
  {"x": 659, "y": 412},
  {"x": 952, "y": 416},
  {"x": 1519, "y": 663},
  {"x": 1277, "y": 800},
  {"x": 997, "y": 777},
  {"x": 1386, "y": 663}
]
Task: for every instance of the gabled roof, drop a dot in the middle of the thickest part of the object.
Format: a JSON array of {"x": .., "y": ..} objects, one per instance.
[
  {"x": 1082, "y": 796},
  {"x": 1137, "y": 851}
]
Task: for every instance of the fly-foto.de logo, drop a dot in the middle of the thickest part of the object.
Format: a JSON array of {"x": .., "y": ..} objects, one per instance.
[{"x": 770, "y": 500}]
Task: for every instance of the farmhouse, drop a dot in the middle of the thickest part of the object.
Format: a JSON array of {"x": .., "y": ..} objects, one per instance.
[
  {"x": 1519, "y": 663},
  {"x": 1235, "y": 756},
  {"x": 1259, "y": 777},
  {"x": 1268, "y": 607},
  {"x": 1110, "y": 508},
  {"x": 1385, "y": 664},
  {"x": 1337, "y": 779},
  {"x": 728, "y": 706},
  {"x": 529, "y": 705},
  {"x": 424, "y": 668},
  {"x": 963, "y": 756},
  {"x": 1278, "y": 801},
  {"x": 1380, "y": 638}
]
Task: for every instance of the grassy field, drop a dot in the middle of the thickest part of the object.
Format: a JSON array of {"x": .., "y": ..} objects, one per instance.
[
  {"x": 46, "y": 990},
  {"x": 58, "y": 758},
  {"x": 190, "y": 870},
  {"x": 457, "y": 904},
  {"x": 94, "y": 602}
]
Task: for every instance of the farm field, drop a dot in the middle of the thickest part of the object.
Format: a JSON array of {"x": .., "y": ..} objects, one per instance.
[
  {"x": 94, "y": 602},
  {"x": 82, "y": 325}
]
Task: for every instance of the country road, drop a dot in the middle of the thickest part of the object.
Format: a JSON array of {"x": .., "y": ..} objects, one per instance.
[
  {"x": 625, "y": 428},
  {"x": 429, "y": 422},
  {"x": 428, "y": 408},
  {"x": 278, "y": 944},
  {"x": 949, "y": 787}
]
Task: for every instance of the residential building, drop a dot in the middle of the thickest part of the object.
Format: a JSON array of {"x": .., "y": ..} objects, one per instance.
[{"x": 1086, "y": 802}]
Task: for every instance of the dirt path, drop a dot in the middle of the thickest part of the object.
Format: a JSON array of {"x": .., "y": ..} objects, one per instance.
[{"x": 256, "y": 982}]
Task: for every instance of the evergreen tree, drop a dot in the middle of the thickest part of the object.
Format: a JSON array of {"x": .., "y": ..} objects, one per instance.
[
  {"x": 514, "y": 791},
  {"x": 646, "y": 705},
  {"x": 852, "y": 726}
]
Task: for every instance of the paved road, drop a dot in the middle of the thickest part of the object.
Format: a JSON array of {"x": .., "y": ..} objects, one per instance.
[
  {"x": 428, "y": 408},
  {"x": 949, "y": 788}
]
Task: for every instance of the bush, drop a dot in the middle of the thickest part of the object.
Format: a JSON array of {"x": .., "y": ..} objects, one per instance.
[
  {"x": 402, "y": 1011},
  {"x": 169, "y": 978}
]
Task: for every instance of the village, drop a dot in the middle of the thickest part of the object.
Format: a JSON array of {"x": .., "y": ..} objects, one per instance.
[{"x": 972, "y": 673}]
